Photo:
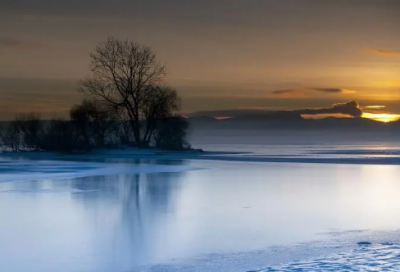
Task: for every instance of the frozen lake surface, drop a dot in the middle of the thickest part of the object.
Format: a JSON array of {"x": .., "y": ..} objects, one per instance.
[
  {"x": 188, "y": 215},
  {"x": 383, "y": 257}
]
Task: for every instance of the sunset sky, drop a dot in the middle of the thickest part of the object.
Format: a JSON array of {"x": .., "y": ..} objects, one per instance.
[{"x": 224, "y": 54}]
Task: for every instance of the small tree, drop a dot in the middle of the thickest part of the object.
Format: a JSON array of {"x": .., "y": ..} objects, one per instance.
[
  {"x": 1, "y": 135},
  {"x": 79, "y": 115},
  {"x": 159, "y": 105},
  {"x": 171, "y": 133},
  {"x": 62, "y": 136},
  {"x": 125, "y": 133},
  {"x": 128, "y": 77},
  {"x": 11, "y": 136},
  {"x": 95, "y": 122},
  {"x": 30, "y": 127}
]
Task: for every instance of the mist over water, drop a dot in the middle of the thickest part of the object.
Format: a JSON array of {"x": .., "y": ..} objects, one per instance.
[{"x": 265, "y": 140}]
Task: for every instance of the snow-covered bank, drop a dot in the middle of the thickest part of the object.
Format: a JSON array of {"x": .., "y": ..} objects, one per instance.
[
  {"x": 346, "y": 252},
  {"x": 107, "y": 153},
  {"x": 271, "y": 154},
  {"x": 381, "y": 257},
  {"x": 11, "y": 170}
]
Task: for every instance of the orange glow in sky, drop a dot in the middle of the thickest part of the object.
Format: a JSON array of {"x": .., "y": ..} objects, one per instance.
[
  {"x": 242, "y": 53},
  {"x": 382, "y": 117}
]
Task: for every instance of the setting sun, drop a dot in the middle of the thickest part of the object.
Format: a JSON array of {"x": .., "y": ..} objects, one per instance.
[{"x": 382, "y": 117}]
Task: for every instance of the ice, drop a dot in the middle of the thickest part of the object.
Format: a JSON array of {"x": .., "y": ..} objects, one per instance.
[
  {"x": 374, "y": 258},
  {"x": 11, "y": 170},
  {"x": 254, "y": 208},
  {"x": 230, "y": 216},
  {"x": 267, "y": 153},
  {"x": 343, "y": 255}
]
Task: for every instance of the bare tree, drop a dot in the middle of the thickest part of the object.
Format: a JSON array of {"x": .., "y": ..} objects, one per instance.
[
  {"x": 79, "y": 115},
  {"x": 171, "y": 133},
  {"x": 2, "y": 130},
  {"x": 62, "y": 136},
  {"x": 30, "y": 127},
  {"x": 11, "y": 136},
  {"x": 159, "y": 105},
  {"x": 95, "y": 122},
  {"x": 125, "y": 130},
  {"x": 128, "y": 76}
]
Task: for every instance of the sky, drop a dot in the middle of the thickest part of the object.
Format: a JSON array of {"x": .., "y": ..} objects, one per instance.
[{"x": 225, "y": 54}]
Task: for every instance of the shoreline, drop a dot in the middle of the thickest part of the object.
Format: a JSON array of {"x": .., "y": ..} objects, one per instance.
[{"x": 97, "y": 155}]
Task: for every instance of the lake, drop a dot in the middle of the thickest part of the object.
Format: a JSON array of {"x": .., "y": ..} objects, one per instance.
[{"x": 206, "y": 213}]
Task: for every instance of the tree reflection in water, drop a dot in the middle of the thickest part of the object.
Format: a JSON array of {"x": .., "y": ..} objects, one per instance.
[{"x": 130, "y": 214}]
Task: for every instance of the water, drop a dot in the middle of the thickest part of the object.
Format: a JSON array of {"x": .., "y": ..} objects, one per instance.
[
  {"x": 125, "y": 222},
  {"x": 304, "y": 143}
]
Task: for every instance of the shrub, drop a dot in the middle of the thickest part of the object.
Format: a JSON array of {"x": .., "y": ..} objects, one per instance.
[
  {"x": 171, "y": 133},
  {"x": 11, "y": 137},
  {"x": 62, "y": 136},
  {"x": 95, "y": 123},
  {"x": 31, "y": 130}
]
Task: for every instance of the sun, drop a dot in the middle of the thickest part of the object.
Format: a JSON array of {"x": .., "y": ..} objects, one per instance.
[{"x": 381, "y": 117}]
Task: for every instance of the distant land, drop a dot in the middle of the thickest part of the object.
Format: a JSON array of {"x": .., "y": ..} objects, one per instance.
[
  {"x": 232, "y": 130},
  {"x": 260, "y": 120}
]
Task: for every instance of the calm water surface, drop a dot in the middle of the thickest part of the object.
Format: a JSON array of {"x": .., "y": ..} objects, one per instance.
[{"x": 118, "y": 223}]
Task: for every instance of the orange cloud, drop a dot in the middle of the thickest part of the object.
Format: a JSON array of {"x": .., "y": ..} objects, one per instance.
[
  {"x": 383, "y": 52},
  {"x": 305, "y": 91},
  {"x": 375, "y": 107},
  {"x": 326, "y": 115}
]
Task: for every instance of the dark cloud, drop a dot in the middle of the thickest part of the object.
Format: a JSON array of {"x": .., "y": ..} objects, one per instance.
[
  {"x": 14, "y": 44},
  {"x": 351, "y": 108},
  {"x": 262, "y": 13},
  {"x": 313, "y": 90}
]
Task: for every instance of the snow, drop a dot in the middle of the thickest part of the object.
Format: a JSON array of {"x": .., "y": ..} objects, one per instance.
[
  {"x": 316, "y": 154},
  {"x": 258, "y": 209},
  {"x": 336, "y": 255},
  {"x": 381, "y": 257},
  {"x": 11, "y": 171}
]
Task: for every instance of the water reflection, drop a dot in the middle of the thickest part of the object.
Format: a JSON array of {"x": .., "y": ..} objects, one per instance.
[
  {"x": 113, "y": 222},
  {"x": 118, "y": 223},
  {"x": 138, "y": 206}
]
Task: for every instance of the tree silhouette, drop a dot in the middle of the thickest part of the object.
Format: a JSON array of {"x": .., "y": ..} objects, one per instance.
[
  {"x": 129, "y": 78},
  {"x": 95, "y": 122}
]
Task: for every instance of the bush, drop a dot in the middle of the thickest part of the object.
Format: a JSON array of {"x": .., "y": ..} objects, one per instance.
[
  {"x": 171, "y": 133},
  {"x": 92, "y": 125},
  {"x": 11, "y": 137},
  {"x": 31, "y": 130},
  {"x": 95, "y": 123},
  {"x": 62, "y": 136}
]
